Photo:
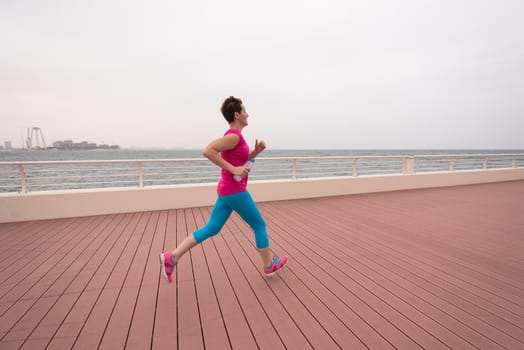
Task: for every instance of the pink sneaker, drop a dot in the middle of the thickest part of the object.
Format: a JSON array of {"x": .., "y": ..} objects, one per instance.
[
  {"x": 276, "y": 264},
  {"x": 167, "y": 266}
]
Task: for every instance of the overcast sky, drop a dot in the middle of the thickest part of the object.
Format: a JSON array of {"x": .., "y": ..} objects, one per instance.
[{"x": 366, "y": 74}]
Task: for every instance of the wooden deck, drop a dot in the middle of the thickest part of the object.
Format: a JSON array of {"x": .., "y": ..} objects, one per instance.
[{"x": 433, "y": 269}]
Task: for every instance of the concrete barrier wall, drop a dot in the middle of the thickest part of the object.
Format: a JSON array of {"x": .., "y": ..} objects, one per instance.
[{"x": 74, "y": 203}]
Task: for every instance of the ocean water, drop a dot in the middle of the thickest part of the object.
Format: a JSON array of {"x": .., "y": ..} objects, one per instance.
[
  {"x": 82, "y": 176},
  {"x": 56, "y": 155}
]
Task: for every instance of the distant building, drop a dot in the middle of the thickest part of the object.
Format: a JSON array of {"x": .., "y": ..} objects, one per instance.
[
  {"x": 8, "y": 145},
  {"x": 84, "y": 145}
]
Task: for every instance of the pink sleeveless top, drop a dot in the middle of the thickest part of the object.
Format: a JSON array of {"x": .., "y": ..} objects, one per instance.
[{"x": 237, "y": 156}]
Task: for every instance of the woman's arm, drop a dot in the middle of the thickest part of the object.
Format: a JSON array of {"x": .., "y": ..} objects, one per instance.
[{"x": 225, "y": 143}]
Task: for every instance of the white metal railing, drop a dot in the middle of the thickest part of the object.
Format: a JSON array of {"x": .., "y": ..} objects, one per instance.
[{"x": 23, "y": 177}]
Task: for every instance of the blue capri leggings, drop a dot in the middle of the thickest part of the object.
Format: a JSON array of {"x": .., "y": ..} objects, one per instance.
[{"x": 244, "y": 205}]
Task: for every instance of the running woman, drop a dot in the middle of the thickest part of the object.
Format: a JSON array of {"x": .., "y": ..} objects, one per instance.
[{"x": 231, "y": 153}]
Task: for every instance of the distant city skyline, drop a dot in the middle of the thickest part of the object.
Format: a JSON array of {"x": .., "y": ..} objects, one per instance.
[
  {"x": 22, "y": 144},
  {"x": 35, "y": 138},
  {"x": 371, "y": 74}
]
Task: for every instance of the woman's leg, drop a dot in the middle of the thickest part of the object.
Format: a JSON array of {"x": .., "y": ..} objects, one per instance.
[
  {"x": 265, "y": 254},
  {"x": 245, "y": 206},
  {"x": 219, "y": 216},
  {"x": 188, "y": 243},
  {"x": 247, "y": 209},
  {"x": 221, "y": 212}
]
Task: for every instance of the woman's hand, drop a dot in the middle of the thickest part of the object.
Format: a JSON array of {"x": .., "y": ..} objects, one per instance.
[
  {"x": 241, "y": 171},
  {"x": 259, "y": 147}
]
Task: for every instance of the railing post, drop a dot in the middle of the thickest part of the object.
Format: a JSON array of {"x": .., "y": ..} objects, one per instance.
[
  {"x": 514, "y": 162},
  {"x": 408, "y": 165},
  {"x": 355, "y": 161},
  {"x": 23, "y": 177},
  {"x": 452, "y": 165},
  {"x": 485, "y": 164},
  {"x": 140, "y": 175},
  {"x": 294, "y": 170}
]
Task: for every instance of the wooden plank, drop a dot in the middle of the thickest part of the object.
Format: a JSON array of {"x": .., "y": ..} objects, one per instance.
[
  {"x": 142, "y": 325},
  {"x": 165, "y": 328},
  {"x": 510, "y": 340},
  {"x": 235, "y": 322},
  {"x": 20, "y": 234},
  {"x": 242, "y": 237},
  {"x": 51, "y": 321},
  {"x": 460, "y": 254},
  {"x": 349, "y": 294},
  {"x": 94, "y": 327},
  {"x": 91, "y": 281},
  {"x": 213, "y": 327},
  {"x": 313, "y": 330},
  {"x": 88, "y": 264},
  {"x": 418, "y": 254},
  {"x": 51, "y": 269},
  {"x": 464, "y": 327},
  {"x": 347, "y": 266},
  {"x": 263, "y": 330},
  {"x": 20, "y": 252},
  {"x": 117, "y": 327},
  {"x": 284, "y": 325},
  {"x": 189, "y": 323},
  {"x": 377, "y": 270}
]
